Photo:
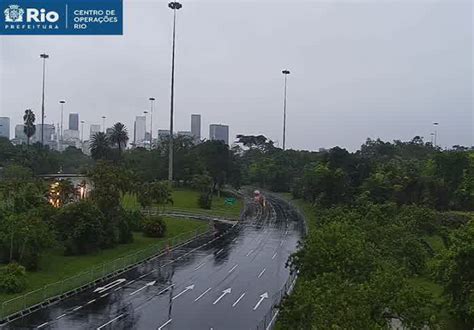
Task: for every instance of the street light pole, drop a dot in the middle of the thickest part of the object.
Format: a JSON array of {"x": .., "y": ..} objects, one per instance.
[
  {"x": 435, "y": 134},
  {"x": 103, "y": 123},
  {"x": 152, "y": 100},
  {"x": 285, "y": 73},
  {"x": 144, "y": 138},
  {"x": 174, "y": 6},
  {"x": 82, "y": 131},
  {"x": 44, "y": 57},
  {"x": 62, "y": 114}
]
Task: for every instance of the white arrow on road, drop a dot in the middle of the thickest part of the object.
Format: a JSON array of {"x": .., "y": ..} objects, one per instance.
[
  {"x": 110, "y": 285},
  {"x": 226, "y": 291},
  {"x": 262, "y": 296},
  {"x": 143, "y": 287},
  {"x": 184, "y": 291}
]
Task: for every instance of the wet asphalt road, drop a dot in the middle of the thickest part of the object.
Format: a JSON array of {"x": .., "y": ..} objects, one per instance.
[{"x": 226, "y": 280}]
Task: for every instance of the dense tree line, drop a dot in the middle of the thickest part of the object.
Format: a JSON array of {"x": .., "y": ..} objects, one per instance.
[{"x": 377, "y": 209}]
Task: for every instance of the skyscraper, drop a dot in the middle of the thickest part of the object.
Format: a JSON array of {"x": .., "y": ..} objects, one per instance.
[
  {"x": 74, "y": 121},
  {"x": 5, "y": 127},
  {"x": 219, "y": 132},
  {"x": 94, "y": 128},
  {"x": 196, "y": 126},
  {"x": 140, "y": 129}
]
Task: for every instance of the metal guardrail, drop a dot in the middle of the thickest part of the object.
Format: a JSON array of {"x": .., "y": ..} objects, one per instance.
[
  {"x": 50, "y": 293},
  {"x": 269, "y": 320}
]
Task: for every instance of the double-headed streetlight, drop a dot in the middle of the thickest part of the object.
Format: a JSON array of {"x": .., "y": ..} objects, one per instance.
[
  {"x": 152, "y": 100},
  {"x": 44, "y": 57},
  {"x": 174, "y": 6},
  {"x": 285, "y": 73},
  {"x": 62, "y": 102},
  {"x": 435, "y": 133}
]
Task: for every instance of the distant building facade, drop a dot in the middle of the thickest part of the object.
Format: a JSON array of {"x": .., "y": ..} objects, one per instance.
[
  {"x": 5, "y": 127},
  {"x": 219, "y": 132},
  {"x": 94, "y": 128},
  {"x": 139, "y": 132},
  {"x": 186, "y": 133},
  {"x": 74, "y": 121},
  {"x": 196, "y": 126},
  {"x": 20, "y": 135}
]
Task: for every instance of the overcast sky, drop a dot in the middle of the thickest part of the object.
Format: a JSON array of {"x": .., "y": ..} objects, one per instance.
[{"x": 359, "y": 69}]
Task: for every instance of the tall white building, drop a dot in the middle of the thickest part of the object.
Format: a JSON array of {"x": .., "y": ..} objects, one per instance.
[
  {"x": 196, "y": 126},
  {"x": 219, "y": 132},
  {"x": 5, "y": 127},
  {"x": 139, "y": 132}
]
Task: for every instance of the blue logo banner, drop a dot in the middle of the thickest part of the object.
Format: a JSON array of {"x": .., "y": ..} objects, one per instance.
[{"x": 61, "y": 17}]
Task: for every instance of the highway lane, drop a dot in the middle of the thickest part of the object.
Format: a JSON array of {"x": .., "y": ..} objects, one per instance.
[{"x": 224, "y": 281}]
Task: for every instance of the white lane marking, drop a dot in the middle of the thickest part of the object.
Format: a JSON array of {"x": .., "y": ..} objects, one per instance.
[
  {"x": 249, "y": 253},
  {"x": 200, "y": 265},
  {"x": 143, "y": 287},
  {"x": 237, "y": 301},
  {"x": 202, "y": 294},
  {"x": 142, "y": 276},
  {"x": 262, "y": 296},
  {"x": 132, "y": 281},
  {"x": 106, "y": 324},
  {"x": 77, "y": 308},
  {"x": 273, "y": 257},
  {"x": 42, "y": 325},
  {"x": 232, "y": 269},
  {"x": 165, "y": 324},
  {"x": 281, "y": 243},
  {"x": 272, "y": 320},
  {"x": 234, "y": 239},
  {"x": 218, "y": 252},
  {"x": 109, "y": 285},
  {"x": 90, "y": 302},
  {"x": 184, "y": 291},
  {"x": 261, "y": 273},
  {"x": 60, "y": 316},
  {"x": 165, "y": 289},
  {"x": 105, "y": 295},
  {"x": 226, "y": 291},
  {"x": 120, "y": 287}
]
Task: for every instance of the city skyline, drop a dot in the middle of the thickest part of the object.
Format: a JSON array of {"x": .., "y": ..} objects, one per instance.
[{"x": 349, "y": 84}]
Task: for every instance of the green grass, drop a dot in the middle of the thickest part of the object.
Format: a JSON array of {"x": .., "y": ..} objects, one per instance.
[
  {"x": 55, "y": 267},
  {"x": 436, "y": 243},
  {"x": 187, "y": 200}
]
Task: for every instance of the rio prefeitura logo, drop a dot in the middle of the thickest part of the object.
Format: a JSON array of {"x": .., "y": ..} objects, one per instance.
[{"x": 14, "y": 14}]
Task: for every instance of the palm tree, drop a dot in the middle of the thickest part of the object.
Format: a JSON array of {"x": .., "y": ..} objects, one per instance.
[
  {"x": 119, "y": 135},
  {"x": 29, "y": 127},
  {"x": 100, "y": 146}
]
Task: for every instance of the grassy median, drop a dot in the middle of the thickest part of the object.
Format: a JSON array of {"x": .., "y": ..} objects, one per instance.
[{"x": 54, "y": 266}]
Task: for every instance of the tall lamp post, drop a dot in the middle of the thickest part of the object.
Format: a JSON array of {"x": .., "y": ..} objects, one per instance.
[
  {"x": 152, "y": 100},
  {"x": 435, "y": 133},
  {"x": 285, "y": 73},
  {"x": 144, "y": 139},
  {"x": 174, "y": 6},
  {"x": 82, "y": 131},
  {"x": 62, "y": 102},
  {"x": 103, "y": 123},
  {"x": 44, "y": 57}
]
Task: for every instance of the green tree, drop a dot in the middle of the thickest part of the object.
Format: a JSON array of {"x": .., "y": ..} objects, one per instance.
[
  {"x": 119, "y": 136},
  {"x": 80, "y": 227},
  {"x": 100, "y": 146},
  {"x": 29, "y": 127}
]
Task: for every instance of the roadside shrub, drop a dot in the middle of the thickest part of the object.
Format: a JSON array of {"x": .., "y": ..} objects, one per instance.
[
  {"x": 80, "y": 227},
  {"x": 154, "y": 226},
  {"x": 125, "y": 225},
  {"x": 134, "y": 219},
  {"x": 205, "y": 201},
  {"x": 12, "y": 278}
]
